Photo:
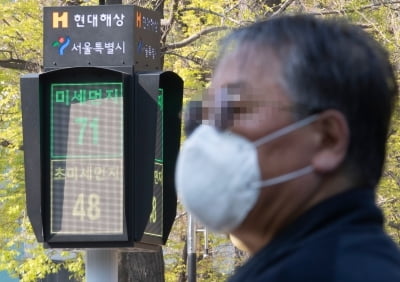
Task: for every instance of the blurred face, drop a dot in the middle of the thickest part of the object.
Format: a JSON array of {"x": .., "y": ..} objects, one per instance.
[
  {"x": 249, "y": 99},
  {"x": 247, "y": 96}
]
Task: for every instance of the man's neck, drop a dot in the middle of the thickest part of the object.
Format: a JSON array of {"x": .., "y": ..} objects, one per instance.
[{"x": 253, "y": 235}]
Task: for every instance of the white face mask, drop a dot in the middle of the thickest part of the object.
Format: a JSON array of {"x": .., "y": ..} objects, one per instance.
[{"x": 218, "y": 178}]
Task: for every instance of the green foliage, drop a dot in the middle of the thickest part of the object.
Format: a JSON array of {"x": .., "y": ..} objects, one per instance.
[
  {"x": 175, "y": 250},
  {"x": 192, "y": 29},
  {"x": 389, "y": 193},
  {"x": 20, "y": 48},
  {"x": 21, "y": 31},
  {"x": 216, "y": 259},
  {"x": 194, "y": 62}
]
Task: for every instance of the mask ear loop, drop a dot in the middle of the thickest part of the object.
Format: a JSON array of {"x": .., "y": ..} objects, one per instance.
[
  {"x": 283, "y": 178},
  {"x": 280, "y": 132},
  {"x": 285, "y": 130}
]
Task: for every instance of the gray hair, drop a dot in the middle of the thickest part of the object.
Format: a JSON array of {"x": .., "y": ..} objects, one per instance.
[{"x": 330, "y": 64}]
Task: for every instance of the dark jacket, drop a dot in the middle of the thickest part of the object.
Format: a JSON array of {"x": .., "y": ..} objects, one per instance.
[{"x": 339, "y": 240}]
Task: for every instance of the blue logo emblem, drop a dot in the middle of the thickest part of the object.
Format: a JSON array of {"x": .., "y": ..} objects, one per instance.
[{"x": 62, "y": 43}]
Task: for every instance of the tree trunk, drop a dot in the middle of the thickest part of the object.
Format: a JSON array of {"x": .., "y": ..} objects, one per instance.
[{"x": 141, "y": 266}]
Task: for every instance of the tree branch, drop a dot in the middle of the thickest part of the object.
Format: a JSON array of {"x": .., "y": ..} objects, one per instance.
[
  {"x": 193, "y": 37},
  {"x": 7, "y": 143},
  {"x": 193, "y": 59},
  {"x": 158, "y": 5},
  {"x": 4, "y": 143},
  {"x": 394, "y": 225},
  {"x": 383, "y": 201},
  {"x": 393, "y": 176},
  {"x": 8, "y": 113},
  {"x": 20, "y": 37},
  {"x": 178, "y": 216},
  {"x": 167, "y": 26},
  {"x": 282, "y": 8},
  {"x": 366, "y": 7},
  {"x": 18, "y": 64},
  {"x": 207, "y": 11}
]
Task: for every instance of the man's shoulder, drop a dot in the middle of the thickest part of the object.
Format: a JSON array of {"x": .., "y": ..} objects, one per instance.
[
  {"x": 367, "y": 255},
  {"x": 347, "y": 255},
  {"x": 312, "y": 260}
]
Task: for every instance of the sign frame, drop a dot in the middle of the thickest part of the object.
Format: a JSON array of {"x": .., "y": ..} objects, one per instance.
[
  {"x": 138, "y": 69},
  {"x": 104, "y": 36},
  {"x": 171, "y": 86},
  {"x": 74, "y": 75}
]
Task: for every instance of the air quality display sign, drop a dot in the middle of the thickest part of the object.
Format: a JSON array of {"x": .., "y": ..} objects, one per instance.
[
  {"x": 86, "y": 158},
  {"x": 155, "y": 224}
]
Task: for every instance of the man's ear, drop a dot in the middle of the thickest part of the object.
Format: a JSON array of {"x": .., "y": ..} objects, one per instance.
[{"x": 333, "y": 140}]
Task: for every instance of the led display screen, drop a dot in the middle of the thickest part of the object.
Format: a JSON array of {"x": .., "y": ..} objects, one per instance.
[
  {"x": 86, "y": 132},
  {"x": 155, "y": 224}
]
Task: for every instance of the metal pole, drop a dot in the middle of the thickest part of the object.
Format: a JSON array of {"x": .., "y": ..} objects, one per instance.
[
  {"x": 191, "y": 249},
  {"x": 101, "y": 265},
  {"x": 205, "y": 242}
]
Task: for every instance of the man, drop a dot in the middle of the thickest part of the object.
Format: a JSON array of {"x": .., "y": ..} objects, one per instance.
[{"x": 298, "y": 116}]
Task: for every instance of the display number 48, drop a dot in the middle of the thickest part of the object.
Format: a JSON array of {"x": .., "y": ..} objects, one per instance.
[
  {"x": 87, "y": 206},
  {"x": 153, "y": 215}
]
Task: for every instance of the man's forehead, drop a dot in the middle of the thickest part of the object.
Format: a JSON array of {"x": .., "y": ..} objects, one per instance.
[{"x": 248, "y": 71}]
